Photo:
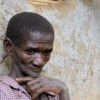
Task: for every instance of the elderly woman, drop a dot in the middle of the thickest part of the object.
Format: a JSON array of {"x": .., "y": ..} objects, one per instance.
[{"x": 29, "y": 41}]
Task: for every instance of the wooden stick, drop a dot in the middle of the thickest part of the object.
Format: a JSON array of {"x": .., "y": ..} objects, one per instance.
[
  {"x": 24, "y": 79},
  {"x": 39, "y": 2}
]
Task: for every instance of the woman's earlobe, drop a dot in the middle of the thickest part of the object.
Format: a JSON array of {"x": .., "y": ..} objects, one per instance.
[{"x": 8, "y": 46}]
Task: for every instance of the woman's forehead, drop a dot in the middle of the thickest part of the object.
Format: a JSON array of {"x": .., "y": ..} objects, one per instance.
[
  {"x": 33, "y": 36},
  {"x": 36, "y": 39}
]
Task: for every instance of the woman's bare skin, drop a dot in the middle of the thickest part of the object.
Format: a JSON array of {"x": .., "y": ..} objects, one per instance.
[
  {"x": 28, "y": 61},
  {"x": 43, "y": 84}
]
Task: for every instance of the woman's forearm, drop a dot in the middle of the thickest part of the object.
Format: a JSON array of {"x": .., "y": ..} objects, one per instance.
[{"x": 64, "y": 95}]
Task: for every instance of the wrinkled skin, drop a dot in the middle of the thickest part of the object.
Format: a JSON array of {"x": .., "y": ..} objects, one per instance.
[
  {"x": 45, "y": 84},
  {"x": 28, "y": 60}
]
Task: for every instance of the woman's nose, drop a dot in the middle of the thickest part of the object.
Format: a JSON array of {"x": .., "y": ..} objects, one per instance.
[{"x": 38, "y": 60}]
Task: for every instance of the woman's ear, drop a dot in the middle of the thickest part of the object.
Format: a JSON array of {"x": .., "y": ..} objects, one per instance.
[{"x": 8, "y": 46}]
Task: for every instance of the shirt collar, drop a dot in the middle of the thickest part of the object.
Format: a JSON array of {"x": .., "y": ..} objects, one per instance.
[{"x": 12, "y": 83}]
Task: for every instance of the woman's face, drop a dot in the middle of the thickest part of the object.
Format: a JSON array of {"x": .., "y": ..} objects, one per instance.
[{"x": 33, "y": 53}]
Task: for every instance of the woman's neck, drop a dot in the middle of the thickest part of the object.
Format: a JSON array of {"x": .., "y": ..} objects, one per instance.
[{"x": 15, "y": 72}]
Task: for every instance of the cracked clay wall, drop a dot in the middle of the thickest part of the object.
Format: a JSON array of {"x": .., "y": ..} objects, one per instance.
[{"x": 76, "y": 56}]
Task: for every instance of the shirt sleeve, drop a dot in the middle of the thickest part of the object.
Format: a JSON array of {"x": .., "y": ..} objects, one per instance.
[{"x": 3, "y": 96}]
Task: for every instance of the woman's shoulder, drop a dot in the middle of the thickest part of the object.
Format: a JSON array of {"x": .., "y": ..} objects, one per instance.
[{"x": 5, "y": 89}]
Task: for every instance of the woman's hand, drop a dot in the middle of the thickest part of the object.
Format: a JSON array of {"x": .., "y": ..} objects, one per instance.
[{"x": 44, "y": 84}]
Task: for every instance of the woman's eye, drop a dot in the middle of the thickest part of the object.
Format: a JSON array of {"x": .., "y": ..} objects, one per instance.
[
  {"x": 47, "y": 53},
  {"x": 30, "y": 51}
]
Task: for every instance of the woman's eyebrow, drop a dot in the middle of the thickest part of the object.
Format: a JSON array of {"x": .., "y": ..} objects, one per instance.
[
  {"x": 50, "y": 49},
  {"x": 38, "y": 49},
  {"x": 31, "y": 48}
]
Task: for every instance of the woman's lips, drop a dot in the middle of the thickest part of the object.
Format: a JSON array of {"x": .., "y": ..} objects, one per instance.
[{"x": 36, "y": 69}]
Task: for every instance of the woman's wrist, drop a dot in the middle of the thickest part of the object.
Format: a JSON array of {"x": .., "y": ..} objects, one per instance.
[
  {"x": 63, "y": 87},
  {"x": 64, "y": 93}
]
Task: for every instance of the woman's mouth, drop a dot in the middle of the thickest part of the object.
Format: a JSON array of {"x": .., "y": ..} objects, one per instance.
[{"x": 35, "y": 69}]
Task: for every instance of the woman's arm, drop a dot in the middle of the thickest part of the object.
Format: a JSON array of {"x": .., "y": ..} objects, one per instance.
[
  {"x": 64, "y": 95},
  {"x": 42, "y": 84}
]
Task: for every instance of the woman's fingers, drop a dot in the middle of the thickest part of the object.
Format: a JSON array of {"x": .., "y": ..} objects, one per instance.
[
  {"x": 37, "y": 93},
  {"x": 34, "y": 88},
  {"x": 43, "y": 89},
  {"x": 33, "y": 82}
]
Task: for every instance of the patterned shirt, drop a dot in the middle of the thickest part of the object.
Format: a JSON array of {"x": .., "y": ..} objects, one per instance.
[{"x": 11, "y": 90}]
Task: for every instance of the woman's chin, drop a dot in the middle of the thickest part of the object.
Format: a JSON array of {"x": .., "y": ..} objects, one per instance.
[{"x": 34, "y": 74}]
